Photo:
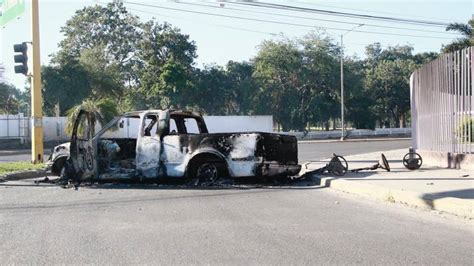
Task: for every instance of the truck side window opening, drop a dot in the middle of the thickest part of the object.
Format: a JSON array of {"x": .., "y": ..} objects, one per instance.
[
  {"x": 151, "y": 126},
  {"x": 115, "y": 131},
  {"x": 173, "y": 127},
  {"x": 191, "y": 126}
]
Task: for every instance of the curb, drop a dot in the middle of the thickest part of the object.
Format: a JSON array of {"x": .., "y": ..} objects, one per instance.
[
  {"x": 350, "y": 140},
  {"x": 459, "y": 207},
  {"x": 19, "y": 175}
]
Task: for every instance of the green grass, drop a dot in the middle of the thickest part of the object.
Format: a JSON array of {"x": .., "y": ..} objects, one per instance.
[{"x": 19, "y": 166}]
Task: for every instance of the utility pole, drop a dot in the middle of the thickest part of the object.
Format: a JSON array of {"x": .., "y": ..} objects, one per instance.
[
  {"x": 36, "y": 97},
  {"x": 342, "y": 81},
  {"x": 342, "y": 89}
]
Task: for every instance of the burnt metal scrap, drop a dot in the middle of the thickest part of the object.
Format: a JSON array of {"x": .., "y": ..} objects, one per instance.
[
  {"x": 337, "y": 166},
  {"x": 385, "y": 165}
]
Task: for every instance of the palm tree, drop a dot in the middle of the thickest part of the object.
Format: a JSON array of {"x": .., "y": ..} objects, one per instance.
[
  {"x": 466, "y": 41},
  {"x": 98, "y": 110}
]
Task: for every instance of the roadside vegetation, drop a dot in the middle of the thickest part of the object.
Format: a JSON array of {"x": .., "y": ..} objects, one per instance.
[
  {"x": 108, "y": 54},
  {"x": 10, "y": 167}
]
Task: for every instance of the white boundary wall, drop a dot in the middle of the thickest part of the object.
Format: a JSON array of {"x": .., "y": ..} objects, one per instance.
[
  {"x": 355, "y": 133},
  {"x": 13, "y": 126},
  {"x": 219, "y": 124},
  {"x": 17, "y": 126}
]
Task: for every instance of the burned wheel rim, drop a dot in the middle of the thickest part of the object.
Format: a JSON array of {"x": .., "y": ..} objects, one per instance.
[
  {"x": 207, "y": 172},
  {"x": 412, "y": 161}
]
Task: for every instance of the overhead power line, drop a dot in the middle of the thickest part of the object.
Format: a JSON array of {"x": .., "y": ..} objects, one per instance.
[
  {"x": 372, "y": 11},
  {"x": 238, "y": 28},
  {"x": 211, "y": 24},
  {"x": 282, "y": 23},
  {"x": 343, "y": 14},
  {"x": 314, "y": 19}
]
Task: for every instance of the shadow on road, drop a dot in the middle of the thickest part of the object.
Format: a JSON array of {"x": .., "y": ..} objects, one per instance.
[
  {"x": 430, "y": 198},
  {"x": 221, "y": 184},
  {"x": 105, "y": 201},
  {"x": 460, "y": 194}
]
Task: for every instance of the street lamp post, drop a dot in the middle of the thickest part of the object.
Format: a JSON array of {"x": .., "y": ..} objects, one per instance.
[{"x": 342, "y": 80}]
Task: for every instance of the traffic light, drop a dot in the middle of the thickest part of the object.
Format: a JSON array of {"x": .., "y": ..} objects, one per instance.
[{"x": 21, "y": 57}]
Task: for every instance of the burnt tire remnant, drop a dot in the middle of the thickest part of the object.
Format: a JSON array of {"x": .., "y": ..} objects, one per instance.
[{"x": 206, "y": 170}]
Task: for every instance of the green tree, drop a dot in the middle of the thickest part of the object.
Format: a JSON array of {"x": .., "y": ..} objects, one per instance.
[
  {"x": 166, "y": 59},
  {"x": 467, "y": 39},
  {"x": 389, "y": 82},
  {"x": 426, "y": 57},
  {"x": 98, "y": 110},
  {"x": 104, "y": 77},
  {"x": 213, "y": 92},
  {"x": 111, "y": 27},
  {"x": 359, "y": 101},
  {"x": 278, "y": 71},
  {"x": 299, "y": 80},
  {"x": 320, "y": 98},
  {"x": 66, "y": 85},
  {"x": 9, "y": 103},
  {"x": 96, "y": 58},
  {"x": 243, "y": 88}
]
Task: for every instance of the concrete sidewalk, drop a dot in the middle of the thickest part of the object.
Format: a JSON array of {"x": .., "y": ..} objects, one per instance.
[{"x": 446, "y": 190}]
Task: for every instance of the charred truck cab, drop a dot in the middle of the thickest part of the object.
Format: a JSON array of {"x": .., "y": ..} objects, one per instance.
[{"x": 172, "y": 144}]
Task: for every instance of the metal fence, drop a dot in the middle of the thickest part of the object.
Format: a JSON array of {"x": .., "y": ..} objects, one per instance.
[
  {"x": 14, "y": 127},
  {"x": 442, "y": 104}
]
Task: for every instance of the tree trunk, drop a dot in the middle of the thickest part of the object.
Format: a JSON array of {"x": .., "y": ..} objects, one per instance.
[
  {"x": 402, "y": 121},
  {"x": 397, "y": 122}
]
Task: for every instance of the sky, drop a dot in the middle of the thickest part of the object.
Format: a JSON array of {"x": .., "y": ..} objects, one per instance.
[{"x": 220, "y": 39}]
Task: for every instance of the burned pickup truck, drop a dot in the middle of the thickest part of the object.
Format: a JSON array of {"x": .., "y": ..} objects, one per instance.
[{"x": 155, "y": 144}]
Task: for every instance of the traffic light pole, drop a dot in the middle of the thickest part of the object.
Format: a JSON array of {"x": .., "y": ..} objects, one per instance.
[{"x": 36, "y": 97}]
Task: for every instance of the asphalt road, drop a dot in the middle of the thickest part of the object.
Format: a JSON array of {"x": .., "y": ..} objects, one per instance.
[
  {"x": 131, "y": 224},
  {"x": 308, "y": 151},
  {"x": 113, "y": 224},
  {"x": 19, "y": 155}
]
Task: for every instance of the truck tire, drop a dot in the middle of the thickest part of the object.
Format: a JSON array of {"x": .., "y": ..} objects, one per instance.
[{"x": 207, "y": 169}]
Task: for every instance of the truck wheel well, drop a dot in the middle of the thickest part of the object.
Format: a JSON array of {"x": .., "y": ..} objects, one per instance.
[
  {"x": 58, "y": 165},
  {"x": 202, "y": 158}
]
